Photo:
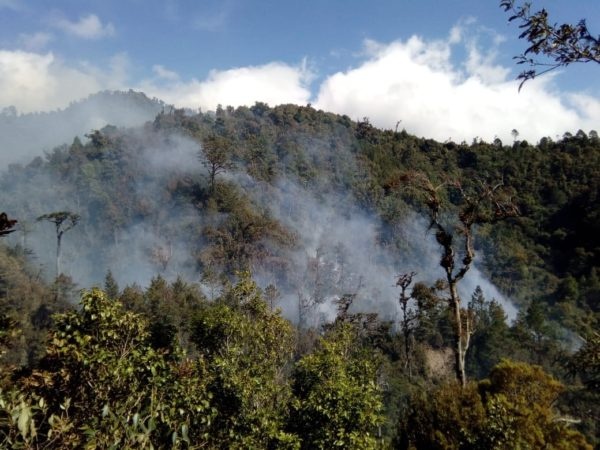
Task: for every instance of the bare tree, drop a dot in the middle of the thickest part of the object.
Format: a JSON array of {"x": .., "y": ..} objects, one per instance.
[
  {"x": 161, "y": 255},
  {"x": 63, "y": 221},
  {"x": 481, "y": 204}
]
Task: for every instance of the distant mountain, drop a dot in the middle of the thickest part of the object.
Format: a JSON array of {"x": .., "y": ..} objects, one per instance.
[{"x": 25, "y": 136}]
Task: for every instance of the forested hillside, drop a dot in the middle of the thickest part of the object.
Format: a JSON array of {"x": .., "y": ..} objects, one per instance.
[
  {"x": 27, "y": 135},
  {"x": 283, "y": 277}
]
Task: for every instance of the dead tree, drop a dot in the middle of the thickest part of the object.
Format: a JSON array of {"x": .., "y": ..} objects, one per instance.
[
  {"x": 161, "y": 255},
  {"x": 63, "y": 221},
  {"x": 408, "y": 317},
  {"x": 480, "y": 204}
]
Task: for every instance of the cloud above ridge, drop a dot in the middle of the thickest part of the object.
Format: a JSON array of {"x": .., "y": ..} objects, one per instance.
[
  {"x": 87, "y": 27},
  {"x": 272, "y": 83},
  {"x": 418, "y": 83},
  {"x": 442, "y": 89},
  {"x": 42, "y": 82}
]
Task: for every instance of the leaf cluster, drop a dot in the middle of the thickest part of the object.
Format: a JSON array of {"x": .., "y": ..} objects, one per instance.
[{"x": 564, "y": 44}]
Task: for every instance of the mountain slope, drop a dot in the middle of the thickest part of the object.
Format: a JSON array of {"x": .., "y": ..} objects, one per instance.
[{"x": 28, "y": 135}]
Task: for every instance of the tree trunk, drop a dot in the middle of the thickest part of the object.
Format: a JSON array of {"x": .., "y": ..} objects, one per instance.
[
  {"x": 58, "y": 243},
  {"x": 407, "y": 353},
  {"x": 460, "y": 347}
]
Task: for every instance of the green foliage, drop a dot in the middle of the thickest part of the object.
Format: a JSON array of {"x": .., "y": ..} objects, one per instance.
[
  {"x": 450, "y": 417},
  {"x": 519, "y": 401},
  {"x": 8, "y": 332},
  {"x": 19, "y": 420},
  {"x": 514, "y": 408},
  {"x": 242, "y": 239},
  {"x": 104, "y": 386},
  {"x": 491, "y": 338},
  {"x": 27, "y": 304},
  {"x": 110, "y": 286},
  {"x": 246, "y": 347},
  {"x": 337, "y": 402}
]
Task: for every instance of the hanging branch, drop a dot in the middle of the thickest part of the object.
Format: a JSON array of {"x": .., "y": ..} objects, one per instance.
[{"x": 563, "y": 44}]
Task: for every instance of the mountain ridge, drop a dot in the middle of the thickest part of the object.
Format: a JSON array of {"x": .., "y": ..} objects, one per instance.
[{"x": 25, "y": 136}]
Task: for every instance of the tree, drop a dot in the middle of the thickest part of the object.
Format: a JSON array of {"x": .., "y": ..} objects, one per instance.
[
  {"x": 63, "y": 221},
  {"x": 111, "y": 287},
  {"x": 246, "y": 347},
  {"x": 337, "y": 400},
  {"x": 8, "y": 330},
  {"x": 513, "y": 409},
  {"x": 490, "y": 339},
  {"x": 519, "y": 400},
  {"x": 215, "y": 156},
  {"x": 476, "y": 204},
  {"x": 563, "y": 44},
  {"x": 103, "y": 385},
  {"x": 409, "y": 317},
  {"x": 98, "y": 139}
]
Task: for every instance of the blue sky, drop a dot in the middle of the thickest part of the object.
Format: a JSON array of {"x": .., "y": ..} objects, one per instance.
[{"x": 443, "y": 68}]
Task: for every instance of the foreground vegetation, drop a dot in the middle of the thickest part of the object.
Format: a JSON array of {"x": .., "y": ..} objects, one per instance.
[{"x": 111, "y": 379}]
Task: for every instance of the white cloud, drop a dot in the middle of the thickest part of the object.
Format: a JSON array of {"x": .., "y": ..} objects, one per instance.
[
  {"x": 41, "y": 82},
  {"x": 35, "y": 41},
  {"x": 88, "y": 27},
  {"x": 272, "y": 83},
  {"x": 165, "y": 74},
  {"x": 416, "y": 81},
  {"x": 588, "y": 106}
]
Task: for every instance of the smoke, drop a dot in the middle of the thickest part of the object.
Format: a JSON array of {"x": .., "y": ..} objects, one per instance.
[
  {"x": 25, "y": 136},
  {"x": 475, "y": 278},
  {"x": 156, "y": 242},
  {"x": 340, "y": 250},
  {"x": 159, "y": 243}
]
